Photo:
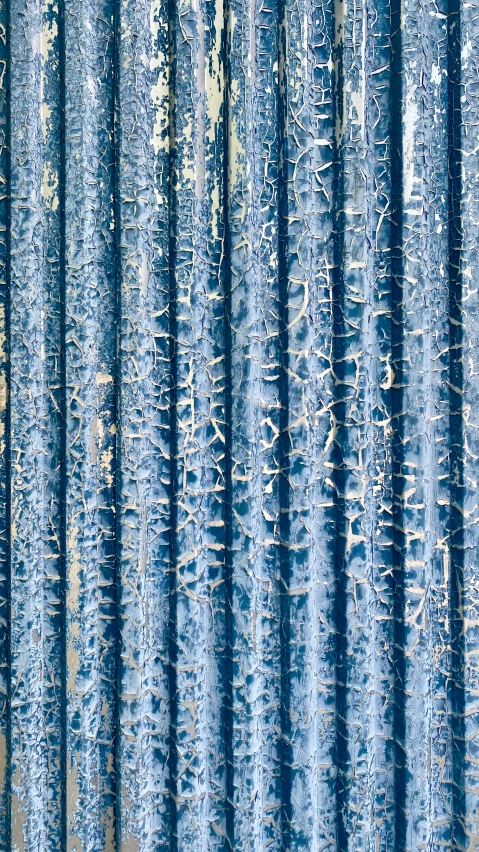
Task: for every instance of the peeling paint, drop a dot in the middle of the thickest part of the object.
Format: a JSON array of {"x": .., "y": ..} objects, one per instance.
[{"x": 238, "y": 426}]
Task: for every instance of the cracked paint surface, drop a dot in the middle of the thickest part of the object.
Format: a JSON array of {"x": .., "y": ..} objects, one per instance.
[{"x": 239, "y": 425}]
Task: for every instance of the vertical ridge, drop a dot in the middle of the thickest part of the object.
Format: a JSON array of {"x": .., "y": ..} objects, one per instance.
[
  {"x": 91, "y": 344},
  {"x": 35, "y": 428},
  {"x": 253, "y": 341},
  {"x": 199, "y": 487},
  {"x": 144, "y": 541},
  {"x": 307, "y": 424},
  {"x": 378, "y": 430},
  {"x": 5, "y": 536},
  {"x": 361, "y": 372},
  {"x": 4, "y": 439},
  {"x": 422, "y": 494}
]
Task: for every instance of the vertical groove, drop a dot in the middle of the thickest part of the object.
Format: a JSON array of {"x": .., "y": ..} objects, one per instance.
[
  {"x": 63, "y": 420},
  {"x": 457, "y": 698},
  {"x": 7, "y": 449},
  {"x": 397, "y": 331},
  {"x": 464, "y": 247},
  {"x": 283, "y": 423}
]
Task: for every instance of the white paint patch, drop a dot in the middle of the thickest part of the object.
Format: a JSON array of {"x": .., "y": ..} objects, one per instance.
[
  {"x": 159, "y": 91},
  {"x": 37, "y": 43},
  {"x": 435, "y": 75},
  {"x": 144, "y": 275},
  {"x": 411, "y": 118}
]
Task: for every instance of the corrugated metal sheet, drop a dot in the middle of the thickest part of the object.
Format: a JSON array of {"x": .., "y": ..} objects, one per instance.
[{"x": 239, "y": 387}]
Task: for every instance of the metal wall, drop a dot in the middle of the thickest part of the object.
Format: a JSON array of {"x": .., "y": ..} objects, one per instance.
[{"x": 239, "y": 506}]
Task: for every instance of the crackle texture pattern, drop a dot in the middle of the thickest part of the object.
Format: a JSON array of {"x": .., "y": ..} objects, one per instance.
[{"x": 239, "y": 425}]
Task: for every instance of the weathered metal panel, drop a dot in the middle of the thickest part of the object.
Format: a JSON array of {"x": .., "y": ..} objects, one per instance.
[{"x": 239, "y": 334}]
